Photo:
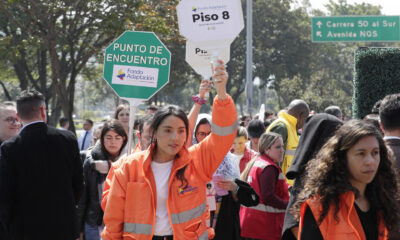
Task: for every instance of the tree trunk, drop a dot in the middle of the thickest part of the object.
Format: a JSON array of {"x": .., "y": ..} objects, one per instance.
[
  {"x": 5, "y": 91},
  {"x": 23, "y": 81},
  {"x": 55, "y": 112}
]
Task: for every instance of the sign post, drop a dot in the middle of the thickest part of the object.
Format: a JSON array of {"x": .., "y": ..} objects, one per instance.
[
  {"x": 136, "y": 66},
  {"x": 356, "y": 29}
]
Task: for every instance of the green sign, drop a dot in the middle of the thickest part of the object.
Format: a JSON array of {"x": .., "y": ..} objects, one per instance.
[
  {"x": 356, "y": 29},
  {"x": 137, "y": 65}
]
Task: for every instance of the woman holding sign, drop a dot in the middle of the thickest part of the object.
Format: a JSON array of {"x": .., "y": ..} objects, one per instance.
[{"x": 161, "y": 193}]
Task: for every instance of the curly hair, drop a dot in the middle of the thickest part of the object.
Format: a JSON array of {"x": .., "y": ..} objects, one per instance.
[{"x": 332, "y": 178}]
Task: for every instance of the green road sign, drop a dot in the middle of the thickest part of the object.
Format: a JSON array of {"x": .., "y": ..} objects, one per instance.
[
  {"x": 356, "y": 29},
  {"x": 137, "y": 65}
]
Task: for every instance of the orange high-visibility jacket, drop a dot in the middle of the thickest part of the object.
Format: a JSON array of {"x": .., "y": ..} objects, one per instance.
[
  {"x": 110, "y": 175},
  {"x": 131, "y": 206},
  {"x": 349, "y": 226}
]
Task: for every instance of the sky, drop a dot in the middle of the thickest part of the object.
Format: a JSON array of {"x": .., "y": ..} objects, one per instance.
[{"x": 389, "y": 7}]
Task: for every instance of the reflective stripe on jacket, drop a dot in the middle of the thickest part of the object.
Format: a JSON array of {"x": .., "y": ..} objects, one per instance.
[
  {"x": 131, "y": 206},
  {"x": 263, "y": 221},
  {"x": 349, "y": 226},
  {"x": 292, "y": 140}
]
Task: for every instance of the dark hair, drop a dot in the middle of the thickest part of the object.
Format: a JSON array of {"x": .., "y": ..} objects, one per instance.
[
  {"x": 119, "y": 109},
  {"x": 136, "y": 123},
  {"x": 389, "y": 112},
  {"x": 255, "y": 128},
  {"x": 333, "y": 110},
  {"x": 268, "y": 122},
  {"x": 242, "y": 119},
  {"x": 148, "y": 118},
  {"x": 116, "y": 126},
  {"x": 374, "y": 120},
  {"x": 268, "y": 113},
  {"x": 332, "y": 178},
  {"x": 29, "y": 103},
  {"x": 89, "y": 121},
  {"x": 152, "y": 108},
  {"x": 201, "y": 122},
  {"x": 63, "y": 121},
  {"x": 375, "y": 108},
  {"x": 159, "y": 116}
]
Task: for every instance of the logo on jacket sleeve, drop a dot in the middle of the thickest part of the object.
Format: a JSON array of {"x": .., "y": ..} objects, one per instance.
[{"x": 187, "y": 189}]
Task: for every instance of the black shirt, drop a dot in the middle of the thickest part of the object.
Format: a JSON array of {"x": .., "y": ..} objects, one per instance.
[{"x": 368, "y": 221}]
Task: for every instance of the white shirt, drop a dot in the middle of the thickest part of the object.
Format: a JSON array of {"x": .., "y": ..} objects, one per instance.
[
  {"x": 390, "y": 137},
  {"x": 236, "y": 159},
  {"x": 161, "y": 172},
  {"x": 88, "y": 140}
]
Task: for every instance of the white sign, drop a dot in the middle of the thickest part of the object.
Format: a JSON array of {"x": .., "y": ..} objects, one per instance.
[
  {"x": 135, "y": 76},
  {"x": 209, "y": 20},
  {"x": 200, "y": 59}
]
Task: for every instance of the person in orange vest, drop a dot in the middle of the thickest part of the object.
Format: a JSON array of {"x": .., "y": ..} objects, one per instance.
[
  {"x": 351, "y": 188},
  {"x": 145, "y": 133},
  {"x": 160, "y": 193},
  {"x": 265, "y": 221}
]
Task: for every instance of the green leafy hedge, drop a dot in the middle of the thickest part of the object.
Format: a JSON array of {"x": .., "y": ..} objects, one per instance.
[{"x": 377, "y": 74}]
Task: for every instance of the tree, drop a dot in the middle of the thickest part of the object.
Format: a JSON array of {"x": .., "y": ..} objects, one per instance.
[
  {"x": 72, "y": 32},
  {"x": 29, "y": 60}
]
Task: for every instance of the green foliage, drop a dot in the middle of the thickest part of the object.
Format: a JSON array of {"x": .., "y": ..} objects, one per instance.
[
  {"x": 377, "y": 74},
  {"x": 343, "y": 8},
  {"x": 68, "y": 38},
  {"x": 89, "y": 114}
]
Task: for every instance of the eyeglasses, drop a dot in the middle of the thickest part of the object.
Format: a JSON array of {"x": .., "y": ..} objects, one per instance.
[
  {"x": 12, "y": 120},
  {"x": 202, "y": 134}
]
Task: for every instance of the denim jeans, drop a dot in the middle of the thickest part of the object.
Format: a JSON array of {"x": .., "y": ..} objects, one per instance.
[{"x": 93, "y": 232}]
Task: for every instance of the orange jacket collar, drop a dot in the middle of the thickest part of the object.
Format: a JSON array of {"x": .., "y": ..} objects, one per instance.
[{"x": 179, "y": 162}]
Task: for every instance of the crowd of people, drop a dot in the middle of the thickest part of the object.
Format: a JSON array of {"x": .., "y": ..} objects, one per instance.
[{"x": 294, "y": 175}]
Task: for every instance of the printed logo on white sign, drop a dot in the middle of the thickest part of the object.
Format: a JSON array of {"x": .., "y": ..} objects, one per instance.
[{"x": 135, "y": 76}]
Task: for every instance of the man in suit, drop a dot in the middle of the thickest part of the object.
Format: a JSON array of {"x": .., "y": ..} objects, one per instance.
[
  {"x": 40, "y": 176},
  {"x": 85, "y": 139},
  {"x": 389, "y": 114}
]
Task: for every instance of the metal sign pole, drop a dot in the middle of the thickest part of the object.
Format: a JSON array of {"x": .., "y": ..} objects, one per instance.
[
  {"x": 249, "y": 56},
  {"x": 133, "y": 103}
]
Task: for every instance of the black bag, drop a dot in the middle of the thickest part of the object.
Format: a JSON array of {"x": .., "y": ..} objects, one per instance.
[{"x": 246, "y": 194}]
